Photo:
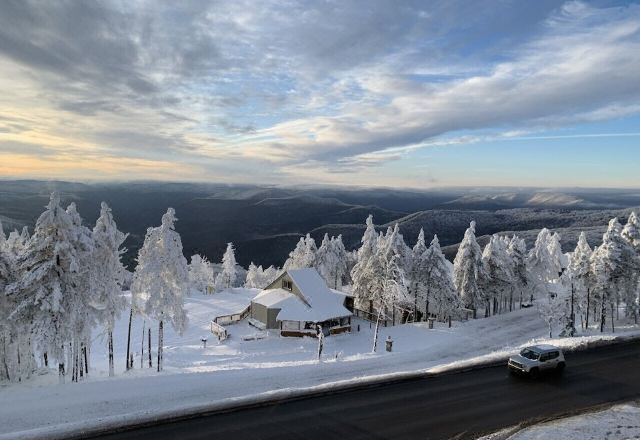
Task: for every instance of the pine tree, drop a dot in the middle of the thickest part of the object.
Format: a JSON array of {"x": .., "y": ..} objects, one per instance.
[
  {"x": 579, "y": 276},
  {"x": 82, "y": 300},
  {"x": 43, "y": 293},
  {"x": 331, "y": 260},
  {"x": 440, "y": 289},
  {"x": 544, "y": 266},
  {"x": 201, "y": 274},
  {"x": 608, "y": 267},
  {"x": 360, "y": 274},
  {"x": 109, "y": 273},
  {"x": 6, "y": 277},
  {"x": 162, "y": 278},
  {"x": 497, "y": 277},
  {"x": 417, "y": 274},
  {"x": 517, "y": 251},
  {"x": 3, "y": 238},
  {"x": 229, "y": 275},
  {"x": 270, "y": 275},
  {"x": 304, "y": 254},
  {"x": 631, "y": 235},
  {"x": 255, "y": 276},
  {"x": 466, "y": 269}
]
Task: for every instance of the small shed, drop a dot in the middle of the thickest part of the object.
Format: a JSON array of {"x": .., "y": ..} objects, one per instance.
[{"x": 297, "y": 301}]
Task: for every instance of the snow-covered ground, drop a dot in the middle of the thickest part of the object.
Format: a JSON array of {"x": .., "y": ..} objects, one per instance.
[
  {"x": 621, "y": 422},
  {"x": 237, "y": 369}
]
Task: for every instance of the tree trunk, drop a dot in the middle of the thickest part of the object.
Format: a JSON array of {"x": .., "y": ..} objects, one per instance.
[
  {"x": 129, "y": 338},
  {"x": 613, "y": 329},
  {"x": 80, "y": 354},
  {"x": 160, "y": 342},
  {"x": 602, "y": 314},
  {"x": 86, "y": 362},
  {"x": 375, "y": 334},
  {"x": 511, "y": 301},
  {"x": 142, "y": 345},
  {"x": 520, "y": 298},
  {"x": 586, "y": 321},
  {"x": 149, "y": 347},
  {"x": 111, "y": 373}
]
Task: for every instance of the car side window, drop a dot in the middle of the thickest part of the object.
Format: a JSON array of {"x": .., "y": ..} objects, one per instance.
[
  {"x": 553, "y": 355},
  {"x": 544, "y": 357}
]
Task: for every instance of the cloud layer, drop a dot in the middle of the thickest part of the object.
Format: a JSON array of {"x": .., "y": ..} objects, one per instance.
[{"x": 291, "y": 91}]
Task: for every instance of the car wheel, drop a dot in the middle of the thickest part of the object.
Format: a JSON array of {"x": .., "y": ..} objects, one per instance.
[
  {"x": 534, "y": 372},
  {"x": 560, "y": 367}
]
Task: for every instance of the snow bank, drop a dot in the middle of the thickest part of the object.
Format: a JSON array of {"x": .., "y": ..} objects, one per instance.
[{"x": 618, "y": 422}]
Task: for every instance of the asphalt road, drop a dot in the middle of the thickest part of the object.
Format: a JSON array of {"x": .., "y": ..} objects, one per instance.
[{"x": 461, "y": 405}]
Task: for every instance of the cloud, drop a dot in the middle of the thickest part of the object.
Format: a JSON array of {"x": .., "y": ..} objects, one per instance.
[{"x": 298, "y": 85}]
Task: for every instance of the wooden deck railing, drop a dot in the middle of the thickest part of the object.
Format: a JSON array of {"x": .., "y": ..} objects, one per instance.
[{"x": 232, "y": 318}]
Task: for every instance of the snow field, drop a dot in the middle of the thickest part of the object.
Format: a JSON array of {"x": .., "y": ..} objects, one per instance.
[{"x": 240, "y": 372}]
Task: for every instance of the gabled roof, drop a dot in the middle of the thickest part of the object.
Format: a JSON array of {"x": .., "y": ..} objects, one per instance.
[{"x": 319, "y": 303}]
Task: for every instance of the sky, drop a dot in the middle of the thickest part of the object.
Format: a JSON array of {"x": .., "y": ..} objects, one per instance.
[{"x": 376, "y": 93}]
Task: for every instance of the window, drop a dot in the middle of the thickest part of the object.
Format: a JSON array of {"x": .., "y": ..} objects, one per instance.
[
  {"x": 286, "y": 284},
  {"x": 529, "y": 354}
]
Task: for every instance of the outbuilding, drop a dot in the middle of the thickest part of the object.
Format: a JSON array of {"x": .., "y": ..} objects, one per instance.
[{"x": 297, "y": 301}]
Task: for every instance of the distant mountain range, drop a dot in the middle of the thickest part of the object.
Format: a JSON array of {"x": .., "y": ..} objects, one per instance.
[{"x": 265, "y": 222}]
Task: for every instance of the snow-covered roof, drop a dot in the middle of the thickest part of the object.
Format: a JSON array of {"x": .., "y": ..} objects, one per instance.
[
  {"x": 272, "y": 297},
  {"x": 322, "y": 303}
]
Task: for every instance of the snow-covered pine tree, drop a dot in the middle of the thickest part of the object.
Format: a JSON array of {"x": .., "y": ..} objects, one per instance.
[
  {"x": 82, "y": 301},
  {"x": 466, "y": 269},
  {"x": 331, "y": 260},
  {"x": 255, "y": 276},
  {"x": 162, "y": 277},
  {"x": 440, "y": 290},
  {"x": 270, "y": 275},
  {"x": 109, "y": 274},
  {"x": 417, "y": 274},
  {"x": 543, "y": 266},
  {"x": 630, "y": 285},
  {"x": 517, "y": 251},
  {"x": 201, "y": 274},
  {"x": 6, "y": 277},
  {"x": 341, "y": 268},
  {"x": 304, "y": 254},
  {"x": 631, "y": 230},
  {"x": 608, "y": 266},
  {"x": 388, "y": 285},
  {"x": 394, "y": 244},
  {"x": 14, "y": 244},
  {"x": 579, "y": 277},
  {"x": 394, "y": 247},
  {"x": 3, "y": 238},
  {"x": 496, "y": 278},
  {"x": 560, "y": 260},
  {"x": 325, "y": 260},
  {"x": 43, "y": 293},
  {"x": 360, "y": 275},
  {"x": 227, "y": 278}
]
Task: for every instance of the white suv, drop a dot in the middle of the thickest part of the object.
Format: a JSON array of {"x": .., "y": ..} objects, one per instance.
[{"x": 536, "y": 359}]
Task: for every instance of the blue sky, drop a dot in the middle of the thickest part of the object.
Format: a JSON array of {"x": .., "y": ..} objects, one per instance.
[{"x": 406, "y": 94}]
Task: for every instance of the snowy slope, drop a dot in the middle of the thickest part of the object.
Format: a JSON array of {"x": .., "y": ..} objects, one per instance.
[
  {"x": 195, "y": 376},
  {"x": 616, "y": 423}
]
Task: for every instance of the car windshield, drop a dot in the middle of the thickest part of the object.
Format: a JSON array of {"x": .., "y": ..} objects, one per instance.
[{"x": 529, "y": 354}]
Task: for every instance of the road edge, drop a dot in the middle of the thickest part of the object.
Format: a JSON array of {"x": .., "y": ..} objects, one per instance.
[{"x": 129, "y": 422}]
